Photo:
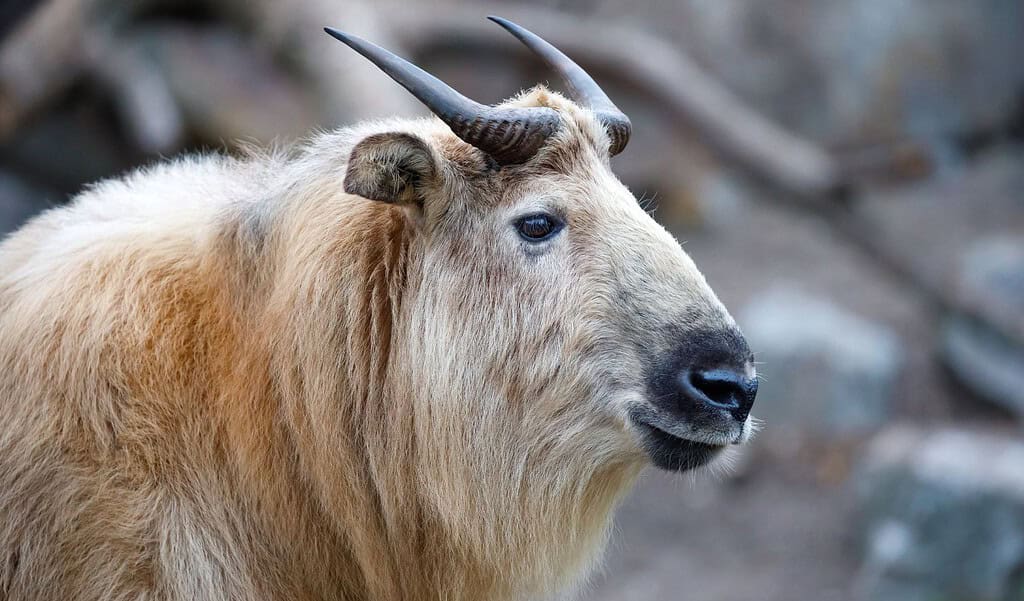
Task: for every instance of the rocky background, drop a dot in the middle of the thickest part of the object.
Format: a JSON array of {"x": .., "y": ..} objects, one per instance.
[{"x": 848, "y": 174}]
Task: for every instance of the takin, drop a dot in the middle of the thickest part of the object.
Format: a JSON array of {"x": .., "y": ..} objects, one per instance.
[{"x": 416, "y": 359}]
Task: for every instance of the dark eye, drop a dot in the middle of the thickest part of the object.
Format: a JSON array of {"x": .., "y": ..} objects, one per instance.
[{"x": 539, "y": 227}]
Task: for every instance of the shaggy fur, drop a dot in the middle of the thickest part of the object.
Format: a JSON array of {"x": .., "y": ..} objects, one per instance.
[{"x": 227, "y": 378}]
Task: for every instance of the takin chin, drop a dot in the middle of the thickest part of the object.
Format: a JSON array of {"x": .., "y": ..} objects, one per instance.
[{"x": 409, "y": 360}]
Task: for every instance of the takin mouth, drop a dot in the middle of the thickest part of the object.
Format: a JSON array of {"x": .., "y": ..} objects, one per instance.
[{"x": 675, "y": 454}]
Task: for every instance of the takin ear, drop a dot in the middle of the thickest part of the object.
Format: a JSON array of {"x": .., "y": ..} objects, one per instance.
[{"x": 391, "y": 167}]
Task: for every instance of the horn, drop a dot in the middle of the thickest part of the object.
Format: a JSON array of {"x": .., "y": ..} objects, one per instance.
[
  {"x": 581, "y": 85},
  {"x": 509, "y": 135}
]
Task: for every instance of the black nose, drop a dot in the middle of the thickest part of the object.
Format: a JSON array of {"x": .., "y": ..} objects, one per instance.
[
  {"x": 721, "y": 388},
  {"x": 706, "y": 381}
]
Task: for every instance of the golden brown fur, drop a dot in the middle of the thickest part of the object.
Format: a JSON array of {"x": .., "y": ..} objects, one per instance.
[{"x": 229, "y": 379}]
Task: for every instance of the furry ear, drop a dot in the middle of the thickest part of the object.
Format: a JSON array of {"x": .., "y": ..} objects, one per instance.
[{"x": 391, "y": 167}]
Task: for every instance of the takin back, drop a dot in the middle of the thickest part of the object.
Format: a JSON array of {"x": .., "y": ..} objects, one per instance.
[{"x": 408, "y": 360}]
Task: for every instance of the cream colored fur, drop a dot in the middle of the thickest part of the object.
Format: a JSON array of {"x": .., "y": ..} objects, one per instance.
[{"x": 225, "y": 378}]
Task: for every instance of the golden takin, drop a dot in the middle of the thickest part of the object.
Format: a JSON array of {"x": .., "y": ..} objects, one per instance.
[{"x": 408, "y": 360}]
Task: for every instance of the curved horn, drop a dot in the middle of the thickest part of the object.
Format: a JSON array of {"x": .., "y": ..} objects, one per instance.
[
  {"x": 509, "y": 135},
  {"x": 581, "y": 85}
]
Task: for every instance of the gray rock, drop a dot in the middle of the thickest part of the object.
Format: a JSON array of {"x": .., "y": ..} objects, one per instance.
[
  {"x": 944, "y": 516},
  {"x": 823, "y": 370},
  {"x": 986, "y": 362},
  {"x": 983, "y": 344},
  {"x": 991, "y": 283}
]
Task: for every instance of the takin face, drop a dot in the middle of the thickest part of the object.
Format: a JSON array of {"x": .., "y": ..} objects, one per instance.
[
  {"x": 546, "y": 299},
  {"x": 553, "y": 336}
]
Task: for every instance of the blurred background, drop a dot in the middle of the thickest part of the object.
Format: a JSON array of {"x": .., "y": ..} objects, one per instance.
[{"x": 849, "y": 175}]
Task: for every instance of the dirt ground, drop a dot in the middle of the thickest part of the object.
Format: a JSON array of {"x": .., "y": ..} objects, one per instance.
[{"x": 773, "y": 535}]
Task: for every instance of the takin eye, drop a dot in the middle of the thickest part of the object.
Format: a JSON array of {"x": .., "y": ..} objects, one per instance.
[{"x": 538, "y": 227}]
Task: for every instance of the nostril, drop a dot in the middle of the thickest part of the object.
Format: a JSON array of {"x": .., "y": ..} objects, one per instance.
[
  {"x": 726, "y": 389},
  {"x": 717, "y": 387}
]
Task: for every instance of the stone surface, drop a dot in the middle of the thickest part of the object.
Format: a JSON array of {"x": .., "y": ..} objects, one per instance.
[
  {"x": 823, "y": 369},
  {"x": 983, "y": 342},
  {"x": 943, "y": 513},
  {"x": 991, "y": 283},
  {"x": 986, "y": 362}
]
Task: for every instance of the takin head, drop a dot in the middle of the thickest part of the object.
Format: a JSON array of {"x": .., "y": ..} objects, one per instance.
[
  {"x": 553, "y": 338},
  {"x": 546, "y": 294}
]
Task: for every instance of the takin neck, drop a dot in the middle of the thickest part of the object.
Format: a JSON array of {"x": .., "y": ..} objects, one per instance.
[{"x": 321, "y": 439}]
